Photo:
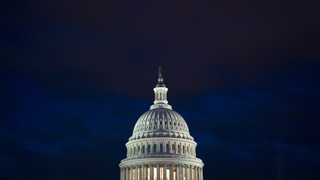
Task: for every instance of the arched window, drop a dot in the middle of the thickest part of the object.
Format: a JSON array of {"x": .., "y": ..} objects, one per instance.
[
  {"x": 183, "y": 150},
  {"x": 149, "y": 148},
  {"x": 138, "y": 149},
  {"x": 179, "y": 149},
  {"x": 143, "y": 149},
  {"x": 161, "y": 148},
  {"x": 154, "y": 148},
  {"x": 134, "y": 151},
  {"x": 167, "y": 148},
  {"x": 173, "y": 148}
]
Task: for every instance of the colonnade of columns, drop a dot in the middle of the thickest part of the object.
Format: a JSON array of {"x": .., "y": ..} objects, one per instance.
[
  {"x": 161, "y": 171},
  {"x": 156, "y": 147}
]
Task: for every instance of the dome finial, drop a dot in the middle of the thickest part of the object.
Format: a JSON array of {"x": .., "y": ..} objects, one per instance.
[{"x": 160, "y": 79}]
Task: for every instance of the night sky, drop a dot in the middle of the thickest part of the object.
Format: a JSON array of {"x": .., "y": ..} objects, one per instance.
[{"x": 75, "y": 76}]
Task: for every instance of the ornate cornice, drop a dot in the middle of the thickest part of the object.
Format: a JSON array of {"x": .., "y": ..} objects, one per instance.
[{"x": 160, "y": 139}]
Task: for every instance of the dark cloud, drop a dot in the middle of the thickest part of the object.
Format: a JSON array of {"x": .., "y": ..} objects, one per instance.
[
  {"x": 248, "y": 131},
  {"x": 81, "y": 47}
]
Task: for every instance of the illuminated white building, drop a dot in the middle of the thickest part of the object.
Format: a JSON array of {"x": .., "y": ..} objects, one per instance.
[{"x": 161, "y": 147}]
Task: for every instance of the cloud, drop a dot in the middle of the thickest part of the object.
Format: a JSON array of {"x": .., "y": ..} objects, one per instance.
[{"x": 61, "y": 137}]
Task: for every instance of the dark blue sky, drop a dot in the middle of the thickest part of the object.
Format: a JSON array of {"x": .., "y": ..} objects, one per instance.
[{"x": 75, "y": 76}]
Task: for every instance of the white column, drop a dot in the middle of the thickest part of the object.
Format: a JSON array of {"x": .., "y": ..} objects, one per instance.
[
  {"x": 144, "y": 172},
  {"x": 171, "y": 172},
  {"x": 136, "y": 173},
  {"x": 187, "y": 172},
  {"x": 141, "y": 172},
  {"x": 164, "y": 172},
  {"x": 178, "y": 172},
  {"x": 183, "y": 174},
  {"x": 127, "y": 173},
  {"x": 124, "y": 174},
  {"x": 158, "y": 172},
  {"x": 181, "y": 171},
  {"x": 131, "y": 173},
  {"x": 196, "y": 173},
  {"x": 201, "y": 173},
  {"x": 191, "y": 173},
  {"x": 149, "y": 175},
  {"x": 140, "y": 175}
]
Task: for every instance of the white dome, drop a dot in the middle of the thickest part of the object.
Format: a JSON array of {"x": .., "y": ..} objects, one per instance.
[
  {"x": 161, "y": 120},
  {"x": 161, "y": 146}
]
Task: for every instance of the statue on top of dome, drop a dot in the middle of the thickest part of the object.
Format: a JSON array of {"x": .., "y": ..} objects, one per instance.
[
  {"x": 160, "y": 72},
  {"x": 160, "y": 80}
]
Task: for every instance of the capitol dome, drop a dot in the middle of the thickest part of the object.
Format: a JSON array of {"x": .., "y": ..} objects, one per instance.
[
  {"x": 161, "y": 122},
  {"x": 161, "y": 147},
  {"x": 161, "y": 119}
]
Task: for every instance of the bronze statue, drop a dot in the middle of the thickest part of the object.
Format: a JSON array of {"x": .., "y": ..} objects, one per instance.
[
  {"x": 160, "y": 72},
  {"x": 160, "y": 79}
]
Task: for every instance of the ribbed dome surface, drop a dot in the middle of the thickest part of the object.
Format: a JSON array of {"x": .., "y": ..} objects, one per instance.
[{"x": 160, "y": 119}]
